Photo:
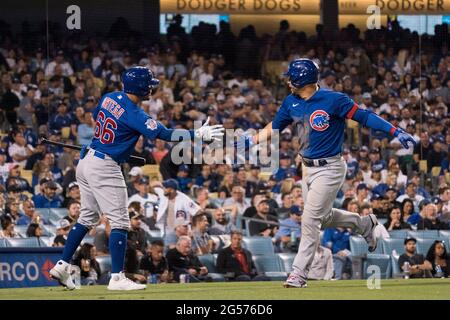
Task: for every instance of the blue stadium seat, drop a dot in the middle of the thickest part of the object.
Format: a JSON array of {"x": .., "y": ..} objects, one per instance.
[
  {"x": 383, "y": 261},
  {"x": 209, "y": 261},
  {"x": 21, "y": 230},
  {"x": 259, "y": 245},
  {"x": 24, "y": 242},
  {"x": 391, "y": 244},
  {"x": 43, "y": 212},
  {"x": 59, "y": 212},
  {"x": 423, "y": 245},
  {"x": 88, "y": 239},
  {"x": 396, "y": 272},
  {"x": 424, "y": 234},
  {"x": 267, "y": 263},
  {"x": 359, "y": 247},
  {"x": 444, "y": 234},
  {"x": 104, "y": 262},
  {"x": 246, "y": 231},
  {"x": 46, "y": 241},
  {"x": 286, "y": 261},
  {"x": 4, "y": 243},
  {"x": 49, "y": 230},
  {"x": 398, "y": 234}
]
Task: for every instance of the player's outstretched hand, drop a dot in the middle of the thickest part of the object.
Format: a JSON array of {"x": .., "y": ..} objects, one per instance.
[
  {"x": 210, "y": 133},
  {"x": 404, "y": 138}
]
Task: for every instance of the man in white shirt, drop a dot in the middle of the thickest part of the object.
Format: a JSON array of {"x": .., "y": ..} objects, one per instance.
[
  {"x": 173, "y": 204},
  {"x": 19, "y": 150},
  {"x": 411, "y": 193},
  {"x": 237, "y": 199},
  {"x": 67, "y": 70},
  {"x": 144, "y": 197}
]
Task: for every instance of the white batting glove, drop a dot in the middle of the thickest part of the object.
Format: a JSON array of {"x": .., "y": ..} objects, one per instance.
[{"x": 210, "y": 133}]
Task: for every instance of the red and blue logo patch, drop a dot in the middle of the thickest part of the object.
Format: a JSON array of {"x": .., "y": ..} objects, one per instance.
[{"x": 319, "y": 120}]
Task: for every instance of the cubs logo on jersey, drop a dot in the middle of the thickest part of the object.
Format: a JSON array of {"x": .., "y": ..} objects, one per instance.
[
  {"x": 151, "y": 124},
  {"x": 319, "y": 120}
]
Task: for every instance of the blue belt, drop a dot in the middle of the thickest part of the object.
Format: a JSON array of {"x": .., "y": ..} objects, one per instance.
[{"x": 99, "y": 154}]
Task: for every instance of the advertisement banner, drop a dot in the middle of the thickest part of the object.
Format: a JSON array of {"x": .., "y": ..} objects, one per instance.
[{"x": 27, "y": 267}]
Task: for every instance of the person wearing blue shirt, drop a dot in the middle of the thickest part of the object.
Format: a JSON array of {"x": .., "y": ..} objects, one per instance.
[
  {"x": 184, "y": 181},
  {"x": 289, "y": 233},
  {"x": 61, "y": 119},
  {"x": 285, "y": 170},
  {"x": 49, "y": 199},
  {"x": 86, "y": 129},
  {"x": 338, "y": 240},
  {"x": 30, "y": 215}
]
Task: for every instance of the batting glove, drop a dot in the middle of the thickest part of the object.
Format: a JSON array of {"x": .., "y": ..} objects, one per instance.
[
  {"x": 404, "y": 137},
  {"x": 210, "y": 133}
]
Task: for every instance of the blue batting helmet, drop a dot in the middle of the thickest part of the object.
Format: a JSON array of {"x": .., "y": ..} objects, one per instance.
[
  {"x": 139, "y": 81},
  {"x": 302, "y": 72}
]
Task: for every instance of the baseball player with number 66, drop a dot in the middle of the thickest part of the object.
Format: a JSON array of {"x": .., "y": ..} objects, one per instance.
[
  {"x": 119, "y": 123},
  {"x": 319, "y": 116}
]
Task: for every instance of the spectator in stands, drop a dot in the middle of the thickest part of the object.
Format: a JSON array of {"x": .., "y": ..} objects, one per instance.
[
  {"x": 407, "y": 209},
  {"x": 444, "y": 195},
  {"x": 140, "y": 151},
  {"x": 410, "y": 193},
  {"x": 73, "y": 211},
  {"x": 173, "y": 204},
  {"x": 395, "y": 220},
  {"x": 380, "y": 231},
  {"x": 101, "y": 236},
  {"x": 154, "y": 262},
  {"x": 73, "y": 194},
  {"x": 7, "y": 228},
  {"x": 418, "y": 268},
  {"x": 202, "y": 199},
  {"x": 49, "y": 199},
  {"x": 236, "y": 263},
  {"x": 15, "y": 177},
  {"x": 89, "y": 266},
  {"x": 431, "y": 222},
  {"x": 288, "y": 235},
  {"x": 131, "y": 265},
  {"x": 287, "y": 202},
  {"x": 19, "y": 151},
  {"x": 237, "y": 199},
  {"x": 338, "y": 240},
  {"x": 133, "y": 183},
  {"x": 322, "y": 266},
  {"x": 61, "y": 119},
  {"x": 201, "y": 240},
  {"x": 181, "y": 229},
  {"x": 13, "y": 209},
  {"x": 62, "y": 230},
  {"x": 147, "y": 200},
  {"x": 159, "y": 151},
  {"x": 182, "y": 260},
  {"x": 30, "y": 215},
  {"x": 257, "y": 228},
  {"x": 136, "y": 235},
  {"x": 437, "y": 258},
  {"x": 222, "y": 224},
  {"x": 362, "y": 194}
]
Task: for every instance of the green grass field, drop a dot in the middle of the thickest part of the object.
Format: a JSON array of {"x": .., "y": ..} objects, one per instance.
[{"x": 351, "y": 289}]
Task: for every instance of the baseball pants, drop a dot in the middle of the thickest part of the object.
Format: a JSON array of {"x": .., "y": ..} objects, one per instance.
[
  {"x": 103, "y": 190},
  {"x": 320, "y": 186}
]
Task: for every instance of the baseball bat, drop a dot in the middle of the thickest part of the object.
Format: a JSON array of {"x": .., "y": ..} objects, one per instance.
[{"x": 75, "y": 147}]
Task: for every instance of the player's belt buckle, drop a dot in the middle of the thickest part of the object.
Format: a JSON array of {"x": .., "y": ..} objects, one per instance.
[{"x": 314, "y": 162}]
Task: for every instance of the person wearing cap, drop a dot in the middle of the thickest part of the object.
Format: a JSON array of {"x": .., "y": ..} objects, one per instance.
[
  {"x": 135, "y": 175},
  {"x": 375, "y": 158},
  {"x": 362, "y": 193},
  {"x": 62, "y": 230},
  {"x": 58, "y": 62},
  {"x": 338, "y": 241},
  {"x": 14, "y": 177},
  {"x": 147, "y": 200},
  {"x": 184, "y": 181},
  {"x": 61, "y": 119},
  {"x": 410, "y": 193},
  {"x": 259, "y": 228},
  {"x": 417, "y": 266},
  {"x": 72, "y": 193},
  {"x": 136, "y": 235},
  {"x": 288, "y": 235},
  {"x": 376, "y": 176},
  {"x": 49, "y": 198},
  {"x": 173, "y": 204},
  {"x": 285, "y": 168}
]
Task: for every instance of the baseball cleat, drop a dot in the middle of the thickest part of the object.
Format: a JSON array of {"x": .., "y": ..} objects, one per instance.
[
  {"x": 369, "y": 236},
  {"x": 61, "y": 272},
  {"x": 294, "y": 281},
  {"x": 120, "y": 282}
]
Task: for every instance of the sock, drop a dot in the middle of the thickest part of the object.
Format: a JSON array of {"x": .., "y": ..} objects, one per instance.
[
  {"x": 76, "y": 234},
  {"x": 117, "y": 248}
]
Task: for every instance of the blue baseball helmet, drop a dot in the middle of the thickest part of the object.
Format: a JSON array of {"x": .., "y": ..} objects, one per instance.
[
  {"x": 302, "y": 72},
  {"x": 139, "y": 81}
]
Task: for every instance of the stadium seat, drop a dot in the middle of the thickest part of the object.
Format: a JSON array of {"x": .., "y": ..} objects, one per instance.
[
  {"x": 286, "y": 260},
  {"x": 59, "y": 212},
  {"x": 49, "y": 230},
  {"x": 383, "y": 261},
  {"x": 382, "y": 220},
  {"x": 359, "y": 247},
  {"x": 423, "y": 245},
  {"x": 46, "y": 241},
  {"x": 21, "y": 230},
  {"x": 391, "y": 244},
  {"x": 104, "y": 262},
  {"x": 88, "y": 239},
  {"x": 154, "y": 234},
  {"x": 444, "y": 234},
  {"x": 4, "y": 243},
  {"x": 270, "y": 266},
  {"x": 396, "y": 272},
  {"x": 24, "y": 242},
  {"x": 259, "y": 245},
  {"x": 398, "y": 234},
  {"x": 209, "y": 261},
  {"x": 424, "y": 234},
  {"x": 44, "y": 212}
]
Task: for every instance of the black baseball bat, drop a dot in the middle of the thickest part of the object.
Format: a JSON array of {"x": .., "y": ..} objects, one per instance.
[{"x": 75, "y": 147}]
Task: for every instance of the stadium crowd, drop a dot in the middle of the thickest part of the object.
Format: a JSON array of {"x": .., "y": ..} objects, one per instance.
[{"x": 189, "y": 210}]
